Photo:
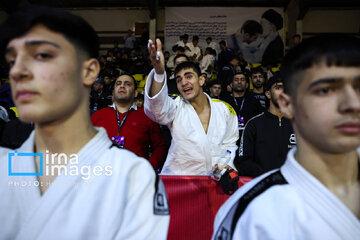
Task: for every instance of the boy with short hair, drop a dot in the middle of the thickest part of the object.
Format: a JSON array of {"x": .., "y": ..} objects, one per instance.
[{"x": 316, "y": 193}]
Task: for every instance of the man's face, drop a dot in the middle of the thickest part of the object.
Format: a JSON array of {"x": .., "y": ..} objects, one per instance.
[
  {"x": 195, "y": 42},
  {"x": 179, "y": 60},
  {"x": 239, "y": 83},
  {"x": 326, "y": 113},
  {"x": 208, "y": 41},
  {"x": 45, "y": 76},
  {"x": 257, "y": 80},
  {"x": 274, "y": 93},
  {"x": 189, "y": 84},
  {"x": 139, "y": 102},
  {"x": 98, "y": 86},
  {"x": 107, "y": 80},
  {"x": 215, "y": 90},
  {"x": 124, "y": 89}
]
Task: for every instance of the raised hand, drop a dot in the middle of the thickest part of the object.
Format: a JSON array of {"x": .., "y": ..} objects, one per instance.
[{"x": 156, "y": 56}]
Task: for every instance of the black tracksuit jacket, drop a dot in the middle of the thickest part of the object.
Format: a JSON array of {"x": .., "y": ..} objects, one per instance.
[{"x": 264, "y": 144}]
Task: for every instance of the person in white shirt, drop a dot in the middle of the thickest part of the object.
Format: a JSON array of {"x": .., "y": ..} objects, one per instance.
[
  {"x": 68, "y": 180},
  {"x": 207, "y": 63},
  {"x": 183, "y": 41},
  {"x": 211, "y": 44},
  {"x": 316, "y": 193},
  {"x": 202, "y": 129},
  {"x": 192, "y": 49}
]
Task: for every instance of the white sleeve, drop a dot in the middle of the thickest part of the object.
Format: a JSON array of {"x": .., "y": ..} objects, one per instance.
[
  {"x": 145, "y": 216},
  {"x": 159, "y": 108},
  {"x": 231, "y": 136}
]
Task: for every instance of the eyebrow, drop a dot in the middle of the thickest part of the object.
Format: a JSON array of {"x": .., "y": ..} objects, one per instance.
[
  {"x": 187, "y": 73},
  {"x": 34, "y": 43},
  {"x": 325, "y": 81}
]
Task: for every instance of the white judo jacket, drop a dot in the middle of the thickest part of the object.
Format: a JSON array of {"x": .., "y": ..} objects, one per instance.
[
  {"x": 120, "y": 205},
  {"x": 298, "y": 206},
  {"x": 192, "y": 151}
]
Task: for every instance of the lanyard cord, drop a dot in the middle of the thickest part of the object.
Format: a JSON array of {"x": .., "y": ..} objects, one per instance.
[
  {"x": 118, "y": 119},
  {"x": 242, "y": 103}
]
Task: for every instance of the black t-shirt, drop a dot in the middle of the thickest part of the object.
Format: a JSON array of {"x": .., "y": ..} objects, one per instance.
[
  {"x": 259, "y": 97},
  {"x": 246, "y": 107}
]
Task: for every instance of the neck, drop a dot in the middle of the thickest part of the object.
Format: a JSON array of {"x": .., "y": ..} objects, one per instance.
[
  {"x": 238, "y": 94},
  {"x": 123, "y": 106},
  {"x": 274, "y": 110},
  {"x": 67, "y": 135},
  {"x": 333, "y": 170},
  {"x": 258, "y": 90},
  {"x": 200, "y": 103}
]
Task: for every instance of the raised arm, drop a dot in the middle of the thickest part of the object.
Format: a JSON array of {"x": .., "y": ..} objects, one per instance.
[
  {"x": 158, "y": 106},
  {"x": 157, "y": 60}
]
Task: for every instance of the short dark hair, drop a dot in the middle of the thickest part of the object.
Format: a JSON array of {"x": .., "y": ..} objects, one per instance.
[
  {"x": 247, "y": 78},
  {"x": 195, "y": 38},
  {"x": 74, "y": 28},
  {"x": 181, "y": 55},
  {"x": 209, "y": 38},
  {"x": 181, "y": 49},
  {"x": 124, "y": 74},
  {"x": 252, "y": 27},
  {"x": 222, "y": 42},
  {"x": 257, "y": 70},
  {"x": 332, "y": 50},
  {"x": 187, "y": 65}
]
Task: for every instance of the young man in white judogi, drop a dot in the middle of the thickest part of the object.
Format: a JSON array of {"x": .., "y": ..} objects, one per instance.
[
  {"x": 202, "y": 129},
  {"x": 316, "y": 193},
  {"x": 68, "y": 180}
]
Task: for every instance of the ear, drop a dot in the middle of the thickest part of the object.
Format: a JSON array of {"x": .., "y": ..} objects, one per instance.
[
  {"x": 201, "y": 80},
  {"x": 268, "y": 94},
  {"x": 286, "y": 106},
  {"x": 90, "y": 71}
]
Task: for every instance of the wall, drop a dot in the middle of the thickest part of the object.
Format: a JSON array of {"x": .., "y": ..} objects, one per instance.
[{"x": 325, "y": 21}]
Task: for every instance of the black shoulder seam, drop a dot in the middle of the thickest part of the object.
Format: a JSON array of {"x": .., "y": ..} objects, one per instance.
[{"x": 227, "y": 227}]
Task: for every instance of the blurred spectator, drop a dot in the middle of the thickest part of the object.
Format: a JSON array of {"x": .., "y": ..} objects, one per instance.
[
  {"x": 171, "y": 62},
  {"x": 258, "y": 82},
  {"x": 211, "y": 44},
  {"x": 98, "y": 98},
  {"x": 296, "y": 40},
  {"x": 224, "y": 56},
  {"x": 225, "y": 75},
  {"x": 192, "y": 50},
  {"x": 207, "y": 63},
  {"x": 129, "y": 41},
  {"x": 139, "y": 100},
  {"x": 183, "y": 41},
  {"x": 215, "y": 89}
]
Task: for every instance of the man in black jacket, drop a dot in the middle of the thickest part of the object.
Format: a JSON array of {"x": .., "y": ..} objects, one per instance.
[
  {"x": 246, "y": 106},
  {"x": 266, "y": 138}
]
